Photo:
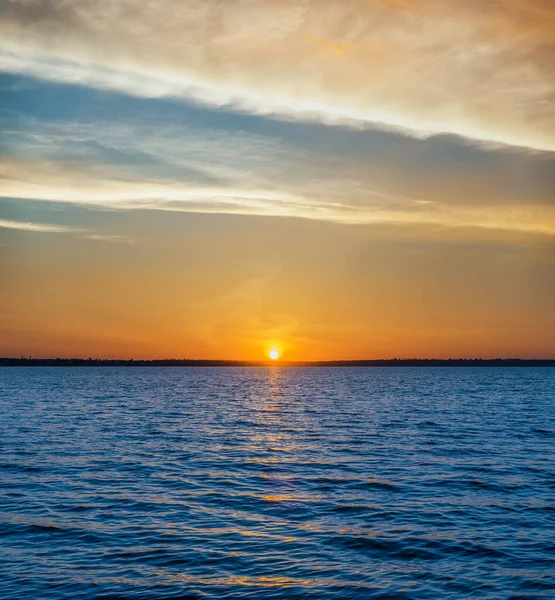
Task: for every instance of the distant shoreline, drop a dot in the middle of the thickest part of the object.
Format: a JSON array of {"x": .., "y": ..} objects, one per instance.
[{"x": 410, "y": 362}]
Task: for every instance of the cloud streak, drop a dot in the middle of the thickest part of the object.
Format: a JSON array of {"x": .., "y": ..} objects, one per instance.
[
  {"x": 87, "y": 234},
  {"x": 78, "y": 187},
  {"x": 36, "y": 227},
  {"x": 175, "y": 167},
  {"x": 484, "y": 71}
]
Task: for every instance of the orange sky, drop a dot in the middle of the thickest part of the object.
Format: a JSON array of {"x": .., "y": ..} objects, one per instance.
[{"x": 313, "y": 291}]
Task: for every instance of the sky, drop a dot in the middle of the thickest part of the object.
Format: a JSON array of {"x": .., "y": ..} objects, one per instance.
[{"x": 335, "y": 179}]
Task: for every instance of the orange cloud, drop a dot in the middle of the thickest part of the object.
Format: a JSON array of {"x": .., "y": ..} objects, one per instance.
[{"x": 484, "y": 71}]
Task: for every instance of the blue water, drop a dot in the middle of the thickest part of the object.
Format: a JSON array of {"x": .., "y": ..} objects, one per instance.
[{"x": 277, "y": 483}]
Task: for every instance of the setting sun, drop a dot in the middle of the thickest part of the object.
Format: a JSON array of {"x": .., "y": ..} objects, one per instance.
[{"x": 274, "y": 354}]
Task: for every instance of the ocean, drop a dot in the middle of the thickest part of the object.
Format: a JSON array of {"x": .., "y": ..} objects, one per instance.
[{"x": 389, "y": 483}]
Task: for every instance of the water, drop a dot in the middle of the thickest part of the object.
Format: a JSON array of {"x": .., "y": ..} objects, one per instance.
[{"x": 277, "y": 483}]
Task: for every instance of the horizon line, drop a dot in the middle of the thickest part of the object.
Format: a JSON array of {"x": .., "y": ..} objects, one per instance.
[{"x": 200, "y": 362}]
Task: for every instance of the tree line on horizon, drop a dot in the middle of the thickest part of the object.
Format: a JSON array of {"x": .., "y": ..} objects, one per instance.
[{"x": 174, "y": 362}]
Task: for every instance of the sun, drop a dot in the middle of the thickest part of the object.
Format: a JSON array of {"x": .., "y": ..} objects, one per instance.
[{"x": 273, "y": 354}]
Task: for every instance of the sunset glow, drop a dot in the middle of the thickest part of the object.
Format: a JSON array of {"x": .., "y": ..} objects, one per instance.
[{"x": 274, "y": 354}]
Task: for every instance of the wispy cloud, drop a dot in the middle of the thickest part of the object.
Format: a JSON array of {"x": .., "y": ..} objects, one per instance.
[
  {"x": 109, "y": 238},
  {"x": 36, "y": 227},
  {"x": 177, "y": 168},
  {"x": 77, "y": 187},
  {"x": 51, "y": 228},
  {"x": 485, "y": 71}
]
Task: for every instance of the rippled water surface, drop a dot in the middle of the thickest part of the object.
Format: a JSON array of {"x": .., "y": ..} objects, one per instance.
[{"x": 277, "y": 483}]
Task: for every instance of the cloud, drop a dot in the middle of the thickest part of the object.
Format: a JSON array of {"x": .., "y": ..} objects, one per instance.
[
  {"x": 50, "y": 228},
  {"x": 109, "y": 238},
  {"x": 484, "y": 71},
  {"x": 57, "y": 183},
  {"x": 175, "y": 167},
  {"x": 36, "y": 227}
]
